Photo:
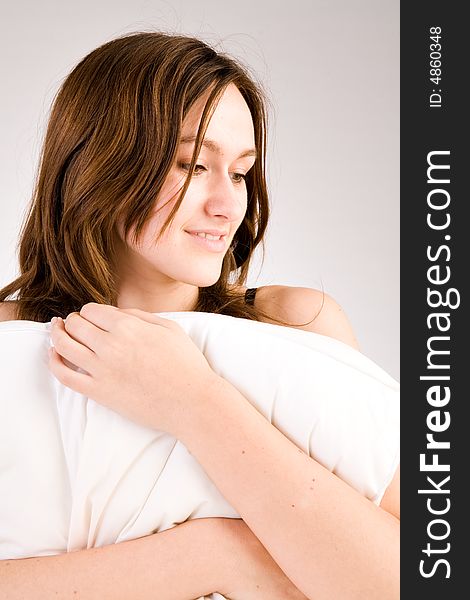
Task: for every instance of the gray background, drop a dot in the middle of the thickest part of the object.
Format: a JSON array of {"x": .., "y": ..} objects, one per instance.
[{"x": 332, "y": 72}]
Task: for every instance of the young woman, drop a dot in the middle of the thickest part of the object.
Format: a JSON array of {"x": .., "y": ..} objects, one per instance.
[{"x": 152, "y": 197}]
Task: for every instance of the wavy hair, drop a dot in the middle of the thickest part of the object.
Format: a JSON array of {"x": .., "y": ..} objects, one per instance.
[{"x": 111, "y": 140}]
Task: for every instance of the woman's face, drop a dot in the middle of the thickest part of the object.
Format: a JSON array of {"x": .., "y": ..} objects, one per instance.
[{"x": 214, "y": 204}]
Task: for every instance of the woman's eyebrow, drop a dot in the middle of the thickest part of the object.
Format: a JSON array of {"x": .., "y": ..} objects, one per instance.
[{"x": 214, "y": 146}]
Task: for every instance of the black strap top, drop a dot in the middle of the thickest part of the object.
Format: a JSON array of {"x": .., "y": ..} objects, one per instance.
[{"x": 250, "y": 295}]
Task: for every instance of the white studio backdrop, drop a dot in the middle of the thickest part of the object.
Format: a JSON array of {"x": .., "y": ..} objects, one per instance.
[{"x": 331, "y": 68}]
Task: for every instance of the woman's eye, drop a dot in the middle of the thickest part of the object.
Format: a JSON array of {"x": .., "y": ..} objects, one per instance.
[
  {"x": 197, "y": 168},
  {"x": 239, "y": 177}
]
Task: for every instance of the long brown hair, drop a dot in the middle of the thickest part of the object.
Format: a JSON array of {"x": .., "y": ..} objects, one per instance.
[{"x": 111, "y": 140}]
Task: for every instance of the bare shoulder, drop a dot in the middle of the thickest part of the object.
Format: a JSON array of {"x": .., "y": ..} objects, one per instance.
[
  {"x": 308, "y": 309},
  {"x": 7, "y": 311}
]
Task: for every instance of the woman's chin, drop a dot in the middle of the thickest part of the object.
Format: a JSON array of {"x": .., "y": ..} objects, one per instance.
[
  {"x": 206, "y": 281},
  {"x": 204, "y": 278}
]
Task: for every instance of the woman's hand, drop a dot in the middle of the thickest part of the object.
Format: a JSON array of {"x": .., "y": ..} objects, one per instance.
[{"x": 143, "y": 366}]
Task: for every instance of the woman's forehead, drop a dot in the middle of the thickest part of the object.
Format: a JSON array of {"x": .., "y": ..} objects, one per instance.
[{"x": 231, "y": 124}]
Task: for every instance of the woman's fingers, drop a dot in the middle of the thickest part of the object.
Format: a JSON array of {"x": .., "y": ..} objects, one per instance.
[
  {"x": 103, "y": 316},
  {"x": 87, "y": 337},
  {"x": 84, "y": 331},
  {"x": 86, "y": 334},
  {"x": 69, "y": 341},
  {"x": 78, "y": 382}
]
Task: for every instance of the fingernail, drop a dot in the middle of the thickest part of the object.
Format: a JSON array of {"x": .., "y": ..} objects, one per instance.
[{"x": 53, "y": 320}]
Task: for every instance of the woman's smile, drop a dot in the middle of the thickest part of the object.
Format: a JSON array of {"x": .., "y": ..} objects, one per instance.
[{"x": 209, "y": 241}]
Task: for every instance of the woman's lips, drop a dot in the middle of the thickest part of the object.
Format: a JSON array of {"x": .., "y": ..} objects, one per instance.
[{"x": 210, "y": 245}]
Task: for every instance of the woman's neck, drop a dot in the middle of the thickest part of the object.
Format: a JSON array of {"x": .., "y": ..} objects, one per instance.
[{"x": 172, "y": 297}]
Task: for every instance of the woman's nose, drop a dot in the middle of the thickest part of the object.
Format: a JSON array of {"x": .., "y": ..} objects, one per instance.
[{"x": 225, "y": 199}]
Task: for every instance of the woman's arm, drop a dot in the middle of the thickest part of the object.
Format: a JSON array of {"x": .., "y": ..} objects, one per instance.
[
  {"x": 329, "y": 540},
  {"x": 194, "y": 559},
  {"x": 177, "y": 564}
]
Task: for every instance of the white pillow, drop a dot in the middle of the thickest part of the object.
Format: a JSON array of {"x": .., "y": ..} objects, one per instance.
[{"x": 74, "y": 474}]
